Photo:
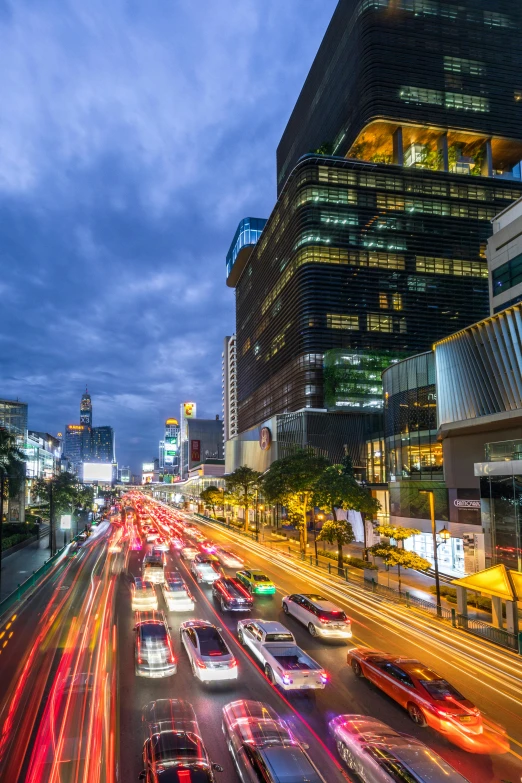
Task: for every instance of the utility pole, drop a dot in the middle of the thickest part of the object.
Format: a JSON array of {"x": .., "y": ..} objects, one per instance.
[{"x": 51, "y": 518}]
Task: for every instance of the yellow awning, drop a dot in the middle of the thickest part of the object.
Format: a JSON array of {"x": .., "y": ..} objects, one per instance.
[{"x": 492, "y": 581}]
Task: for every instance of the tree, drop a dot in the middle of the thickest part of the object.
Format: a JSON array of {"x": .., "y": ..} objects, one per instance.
[
  {"x": 338, "y": 532},
  {"x": 212, "y": 496},
  {"x": 402, "y": 558},
  {"x": 68, "y": 496},
  {"x": 291, "y": 482},
  {"x": 12, "y": 472},
  {"x": 243, "y": 485},
  {"x": 336, "y": 489},
  {"x": 396, "y": 532}
]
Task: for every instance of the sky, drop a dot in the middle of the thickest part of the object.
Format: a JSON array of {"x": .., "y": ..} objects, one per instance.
[{"x": 134, "y": 135}]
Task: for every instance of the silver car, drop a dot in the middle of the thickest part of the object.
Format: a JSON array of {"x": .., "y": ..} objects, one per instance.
[
  {"x": 379, "y": 754},
  {"x": 263, "y": 747}
]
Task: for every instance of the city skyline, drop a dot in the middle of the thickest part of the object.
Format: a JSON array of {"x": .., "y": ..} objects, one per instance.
[{"x": 105, "y": 264}]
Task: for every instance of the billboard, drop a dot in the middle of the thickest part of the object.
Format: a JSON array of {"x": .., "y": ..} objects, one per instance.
[
  {"x": 189, "y": 410},
  {"x": 148, "y": 467},
  {"x": 97, "y": 471},
  {"x": 195, "y": 450}
]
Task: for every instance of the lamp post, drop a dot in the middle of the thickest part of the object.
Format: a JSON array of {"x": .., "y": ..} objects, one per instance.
[
  {"x": 261, "y": 509},
  {"x": 320, "y": 517},
  {"x": 445, "y": 534}
]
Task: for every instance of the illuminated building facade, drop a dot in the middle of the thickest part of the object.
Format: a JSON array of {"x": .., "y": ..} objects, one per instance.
[
  {"x": 77, "y": 444},
  {"x": 169, "y": 449},
  {"x": 102, "y": 445},
  {"x": 377, "y": 248},
  {"x": 229, "y": 387},
  {"x": 86, "y": 409}
]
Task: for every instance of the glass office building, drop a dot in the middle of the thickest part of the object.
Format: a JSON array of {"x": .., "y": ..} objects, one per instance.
[{"x": 13, "y": 417}]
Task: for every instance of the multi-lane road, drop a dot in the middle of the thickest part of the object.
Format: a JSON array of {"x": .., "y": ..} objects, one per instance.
[{"x": 71, "y": 703}]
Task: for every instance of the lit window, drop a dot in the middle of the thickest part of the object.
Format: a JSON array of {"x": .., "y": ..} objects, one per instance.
[
  {"x": 397, "y": 301},
  {"x": 383, "y": 301},
  {"x": 518, "y": 95},
  {"x": 246, "y": 346},
  {"x": 380, "y": 323},
  {"x": 461, "y": 65},
  {"x": 334, "y": 321}
]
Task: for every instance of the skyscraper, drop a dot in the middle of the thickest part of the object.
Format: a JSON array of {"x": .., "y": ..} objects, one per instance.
[
  {"x": 229, "y": 387},
  {"x": 86, "y": 409},
  {"x": 376, "y": 249},
  {"x": 102, "y": 444}
]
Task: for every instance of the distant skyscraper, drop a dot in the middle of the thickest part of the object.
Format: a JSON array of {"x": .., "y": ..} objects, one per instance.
[
  {"x": 102, "y": 444},
  {"x": 77, "y": 444},
  {"x": 86, "y": 409},
  {"x": 229, "y": 387},
  {"x": 13, "y": 416}
]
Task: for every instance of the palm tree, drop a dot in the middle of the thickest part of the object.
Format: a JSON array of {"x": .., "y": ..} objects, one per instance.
[{"x": 12, "y": 471}]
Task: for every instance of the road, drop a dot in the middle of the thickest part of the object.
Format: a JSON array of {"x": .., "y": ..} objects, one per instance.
[{"x": 70, "y": 703}]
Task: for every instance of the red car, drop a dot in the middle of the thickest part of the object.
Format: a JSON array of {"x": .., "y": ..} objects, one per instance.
[{"x": 429, "y": 699}]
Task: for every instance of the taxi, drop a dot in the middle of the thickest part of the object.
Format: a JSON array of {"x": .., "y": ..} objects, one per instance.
[{"x": 256, "y": 582}]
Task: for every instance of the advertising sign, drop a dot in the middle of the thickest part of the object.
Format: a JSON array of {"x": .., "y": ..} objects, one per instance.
[
  {"x": 65, "y": 522},
  {"x": 97, "y": 471},
  {"x": 460, "y": 503},
  {"x": 148, "y": 467},
  {"x": 265, "y": 438},
  {"x": 189, "y": 410},
  {"x": 195, "y": 450}
]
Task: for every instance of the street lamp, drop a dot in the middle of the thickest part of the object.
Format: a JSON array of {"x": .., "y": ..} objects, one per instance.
[
  {"x": 320, "y": 517},
  {"x": 444, "y": 534}
]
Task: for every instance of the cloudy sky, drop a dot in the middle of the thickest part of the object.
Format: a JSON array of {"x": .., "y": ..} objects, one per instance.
[{"x": 134, "y": 135}]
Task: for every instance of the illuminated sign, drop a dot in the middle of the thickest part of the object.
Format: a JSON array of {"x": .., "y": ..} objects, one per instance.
[
  {"x": 78, "y": 427},
  {"x": 97, "y": 471},
  {"x": 65, "y": 522},
  {"x": 148, "y": 467},
  {"x": 195, "y": 450},
  {"x": 173, "y": 422},
  {"x": 189, "y": 410},
  {"x": 466, "y": 503},
  {"x": 265, "y": 439}
]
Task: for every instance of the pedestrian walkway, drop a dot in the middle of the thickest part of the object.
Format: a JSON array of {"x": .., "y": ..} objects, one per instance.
[{"x": 19, "y": 566}]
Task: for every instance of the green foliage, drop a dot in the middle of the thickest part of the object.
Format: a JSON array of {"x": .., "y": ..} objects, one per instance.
[
  {"x": 402, "y": 558},
  {"x": 12, "y": 464},
  {"x": 431, "y": 158},
  {"x": 212, "y": 496},
  {"x": 10, "y": 541},
  {"x": 291, "y": 482},
  {"x": 396, "y": 532},
  {"x": 326, "y": 148},
  {"x": 242, "y": 487},
  {"x": 472, "y": 599},
  {"x": 355, "y": 562},
  {"x": 338, "y": 532},
  {"x": 68, "y": 493}
]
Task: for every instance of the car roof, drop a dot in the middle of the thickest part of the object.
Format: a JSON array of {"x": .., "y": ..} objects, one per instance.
[
  {"x": 425, "y": 763},
  {"x": 143, "y": 584},
  {"x": 270, "y": 626}
]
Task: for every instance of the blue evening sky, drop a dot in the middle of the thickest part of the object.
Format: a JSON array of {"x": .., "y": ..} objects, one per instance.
[{"x": 134, "y": 135}]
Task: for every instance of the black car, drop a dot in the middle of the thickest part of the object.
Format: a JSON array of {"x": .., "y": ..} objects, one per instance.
[
  {"x": 174, "y": 751},
  {"x": 232, "y": 596}
]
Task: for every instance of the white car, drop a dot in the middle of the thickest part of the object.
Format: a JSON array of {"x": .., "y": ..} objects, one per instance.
[
  {"x": 176, "y": 594},
  {"x": 209, "y": 655},
  {"x": 189, "y": 553},
  {"x": 144, "y": 596},
  {"x": 229, "y": 559},
  {"x": 320, "y": 616},
  {"x": 203, "y": 568}
]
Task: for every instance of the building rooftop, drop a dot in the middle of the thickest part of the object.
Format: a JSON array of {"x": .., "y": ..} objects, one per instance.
[{"x": 246, "y": 236}]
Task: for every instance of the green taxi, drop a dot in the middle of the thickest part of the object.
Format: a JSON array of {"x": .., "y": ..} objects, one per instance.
[{"x": 256, "y": 582}]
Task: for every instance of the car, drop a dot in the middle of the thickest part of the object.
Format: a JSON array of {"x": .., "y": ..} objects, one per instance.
[
  {"x": 174, "y": 751},
  {"x": 256, "y": 582},
  {"x": 229, "y": 559},
  {"x": 189, "y": 553},
  {"x": 376, "y": 752},
  {"x": 263, "y": 747},
  {"x": 207, "y": 546},
  {"x": 176, "y": 593},
  {"x": 153, "y": 567},
  {"x": 231, "y": 595},
  {"x": 143, "y": 595},
  {"x": 177, "y": 542},
  {"x": 209, "y": 655},
  {"x": 154, "y": 656},
  {"x": 161, "y": 545},
  {"x": 429, "y": 699},
  {"x": 320, "y": 616},
  {"x": 204, "y": 568},
  {"x": 150, "y": 537}
]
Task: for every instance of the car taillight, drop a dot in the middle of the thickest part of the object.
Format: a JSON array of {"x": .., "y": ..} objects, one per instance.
[
  {"x": 325, "y": 677},
  {"x": 232, "y": 663},
  {"x": 201, "y": 664},
  {"x": 287, "y": 680}
]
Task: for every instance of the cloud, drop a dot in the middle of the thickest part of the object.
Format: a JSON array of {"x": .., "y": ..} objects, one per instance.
[{"x": 133, "y": 138}]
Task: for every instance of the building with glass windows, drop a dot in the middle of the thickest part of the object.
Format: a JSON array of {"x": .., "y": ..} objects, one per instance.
[
  {"x": 86, "y": 409},
  {"x": 376, "y": 247},
  {"x": 246, "y": 236},
  {"x": 169, "y": 449},
  {"x": 504, "y": 253},
  {"x": 13, "y": 417}
]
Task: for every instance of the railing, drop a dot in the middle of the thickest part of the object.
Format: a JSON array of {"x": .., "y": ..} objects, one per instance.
[{"x": 498, "y": 636}]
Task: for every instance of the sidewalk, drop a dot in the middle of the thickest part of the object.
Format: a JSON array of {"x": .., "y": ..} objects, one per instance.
[{"x": 19, "y": 566}]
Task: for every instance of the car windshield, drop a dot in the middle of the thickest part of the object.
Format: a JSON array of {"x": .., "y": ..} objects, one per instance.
[
  {"x": 441, "y": 690},
  {"x": 279, "y": 637},
  {"x": 210, "y": 642},
  {"x": 260, "y": 578}
]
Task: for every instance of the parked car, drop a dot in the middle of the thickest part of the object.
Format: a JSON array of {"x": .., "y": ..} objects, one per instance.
[
  {"x": 176, "y": 593},
  {"x": 204, "y": 568},
  {"x": 209, "y": 655},
  {"x": 263, "y": 747},
  {"x": 143, "y": 596},
  {"x": 429, "y": 699},
  {"x": 283, "y": 662},
  {"x": 256, "y": 581},
  {"x": 231, "y": 595},
  {"x": 154, "y": 656},
  {"x": 320, "y": 616},
  {"x": 379, "y": 754},
  {"x": 174, "y": 751}
]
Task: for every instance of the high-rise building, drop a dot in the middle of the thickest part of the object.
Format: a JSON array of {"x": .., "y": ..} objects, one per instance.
[
  {"x": 229, "y": 387},
  {"x": 505, "y": 258},
  {"x": 86, "y": 409},
  {"x": 13, "y": 417},
  {"x": 102, "y": 445},
  {"x": 169, "y": 449},
  {"x": 77, "y": 445},
  {"x": 378, "y": 249}
]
